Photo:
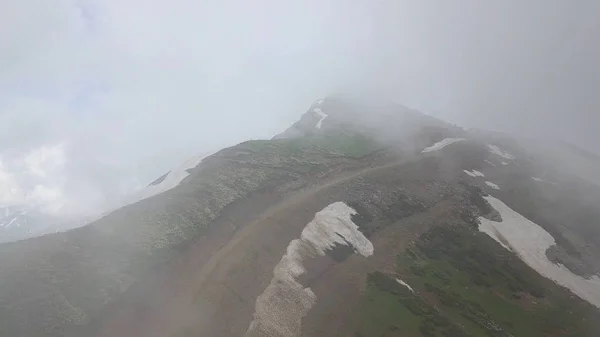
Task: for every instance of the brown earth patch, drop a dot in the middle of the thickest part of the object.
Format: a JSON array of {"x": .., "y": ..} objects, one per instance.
[{"x": 211, "y": 288}]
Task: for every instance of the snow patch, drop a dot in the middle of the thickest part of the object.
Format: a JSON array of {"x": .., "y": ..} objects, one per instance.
[
  {"x": 540, "y": 180},
  {"x": 172, "y": 179},
  {"x": 530, "y": 242},
  {"x": 504, "y": 163},
  {"x": 405, "y": 284},
  {"x": 441, "y": 144},
  {"x": 321, "y": 114},
  {"x": 496, "y": 150},
  {"x": 280, "y": 308},
  {"x": 489, "y": 162},
  {"x": 492, "y": 185},
  {"x": 474, "y": 173},
  {"x": 490, "y": 230}
]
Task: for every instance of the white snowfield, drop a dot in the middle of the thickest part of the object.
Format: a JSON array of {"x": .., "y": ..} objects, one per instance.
[
  {"x": 321, "y": 114},
  {"x": 492, "y": 185},
  {"x": 405, "y": 284},
  {"x": 530, "y": 242},
  {"x": 280, "y": 308},
  {"x": 496, "y": 150},
  {"x": 474, "y": 173},
  {"x": 172, "y": 179},
  {"x": 442, "y": 144}
]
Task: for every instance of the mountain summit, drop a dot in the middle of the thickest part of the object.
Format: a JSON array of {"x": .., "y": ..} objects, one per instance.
[
  {"x": 386, "y": 119},
  {"x": 362, "y": 219}
]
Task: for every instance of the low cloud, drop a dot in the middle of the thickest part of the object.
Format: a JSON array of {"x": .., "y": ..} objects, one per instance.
[
  {"x": 37, "y": 179},
  {"x": 135, "y": 88}
]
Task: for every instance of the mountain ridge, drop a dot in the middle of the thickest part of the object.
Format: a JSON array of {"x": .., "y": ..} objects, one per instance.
[{"x": 196, "y": 256}]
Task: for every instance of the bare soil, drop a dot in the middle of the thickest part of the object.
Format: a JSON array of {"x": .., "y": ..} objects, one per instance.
[{"x": 210, "y": 289}]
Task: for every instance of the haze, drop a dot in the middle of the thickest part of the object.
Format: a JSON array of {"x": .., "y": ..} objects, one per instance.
[{"x": 98, "y": 98}]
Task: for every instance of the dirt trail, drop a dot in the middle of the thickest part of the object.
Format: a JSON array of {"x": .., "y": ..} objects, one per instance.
[
  {"x": 201, "y": 273},
  {"x": 207, "y": 270}
]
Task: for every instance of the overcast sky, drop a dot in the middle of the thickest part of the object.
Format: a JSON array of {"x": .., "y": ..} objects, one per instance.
[{"x": 99, "y": 97}]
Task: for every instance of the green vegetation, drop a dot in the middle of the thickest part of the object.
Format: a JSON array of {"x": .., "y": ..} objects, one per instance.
[
  {"x": 352, "y": 144},
  {"x": 349, "y": 145},
  {"x": 392, "y": 309},
  {"x": 467, "y": 285},
  {"x": 308, "y": 154}
]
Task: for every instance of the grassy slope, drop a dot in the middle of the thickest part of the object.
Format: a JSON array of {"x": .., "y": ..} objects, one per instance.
[
  {"x": 350, "y": 144},
  {"x": 467, "y": 285},
  {"x": 65, "y": 282}
]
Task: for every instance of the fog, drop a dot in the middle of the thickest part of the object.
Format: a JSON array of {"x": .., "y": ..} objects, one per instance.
[{"x": 98, "y": 98}]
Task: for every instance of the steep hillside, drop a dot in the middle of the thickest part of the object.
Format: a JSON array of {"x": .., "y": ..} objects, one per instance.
[{"x": 362, "y": 219}]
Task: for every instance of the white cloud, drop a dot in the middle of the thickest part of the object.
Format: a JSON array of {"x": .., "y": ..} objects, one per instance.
[
  {"x": 37, "y": 180},
  {"x": 136, "y": 87},
  {"x": 48, "y": 198},
  {"x": 10, "y": 192},
  {"x": 46, "y": 160}
]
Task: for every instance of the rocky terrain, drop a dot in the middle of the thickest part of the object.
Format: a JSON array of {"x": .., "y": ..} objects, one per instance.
[{"x": 362, "y": 219}]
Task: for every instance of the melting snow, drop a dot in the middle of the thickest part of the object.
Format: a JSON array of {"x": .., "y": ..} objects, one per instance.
[
  {"x": 492, "y": 185},
  {"x": 441, "y": 144},
  {"x": 172, "y": 179},
  {"x": 280, "y": 308},
  {"x": 490, "y": 230},
  {"x": 496, "y": 150},
  {"x": 530, "y": 242},
  {"x": 474, "y": 173},
  {"x": 321, "y": 114},
  {"x": 405, "y": 284}
]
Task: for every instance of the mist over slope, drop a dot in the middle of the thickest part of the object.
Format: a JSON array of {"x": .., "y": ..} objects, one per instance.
[{"x": 252, "y": 226}]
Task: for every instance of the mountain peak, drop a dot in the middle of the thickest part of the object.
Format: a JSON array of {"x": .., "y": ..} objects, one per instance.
[{"x": 381, "y": 119}]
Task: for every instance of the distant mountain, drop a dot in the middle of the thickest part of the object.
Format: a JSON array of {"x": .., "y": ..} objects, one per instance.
[
  {"x": 25, "y": 221},
  {"x": 364, "y": 218}
]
